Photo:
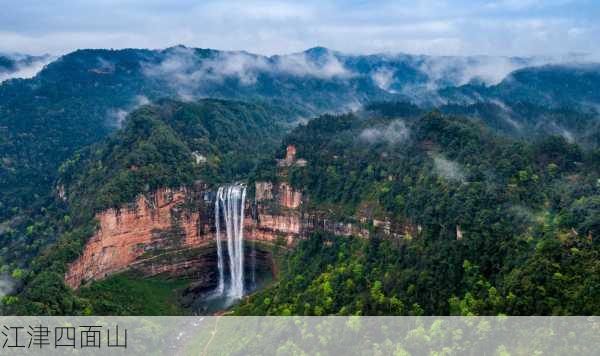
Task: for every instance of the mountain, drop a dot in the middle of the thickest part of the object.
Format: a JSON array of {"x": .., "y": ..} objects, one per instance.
[
  {"x": 455, "y": 218},
  {"x": 499, "y": 151},
  {"x": 21, "y": 65},
  {"x": 567, "y": 85},
  {"x": 460, "y": 221},
  {"x": 81, "y": 97},
  {"x": 171, "y": 144},
  {"x": 166, "y": 145}
]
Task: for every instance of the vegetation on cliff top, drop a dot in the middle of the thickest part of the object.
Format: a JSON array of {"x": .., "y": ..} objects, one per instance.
[
  {"x": 170, "y": 144},
  {"x": 527, "y": 212}
]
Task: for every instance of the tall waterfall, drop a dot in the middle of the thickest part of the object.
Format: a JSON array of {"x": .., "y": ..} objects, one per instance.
[{"x": 231, "y": 200}]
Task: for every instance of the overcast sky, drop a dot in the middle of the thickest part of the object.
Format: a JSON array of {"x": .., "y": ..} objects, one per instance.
[{"x": 447, "y": 27}]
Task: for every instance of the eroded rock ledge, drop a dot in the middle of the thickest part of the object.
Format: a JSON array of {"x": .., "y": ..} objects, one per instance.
[{"x": 171, "y": 231}]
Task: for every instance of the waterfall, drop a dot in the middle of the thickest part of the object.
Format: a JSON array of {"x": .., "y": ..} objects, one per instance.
[{"x": 231, "y": 200}]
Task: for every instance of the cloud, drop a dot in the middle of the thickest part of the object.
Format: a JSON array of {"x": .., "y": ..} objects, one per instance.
[
  {"x": 7, "y": 285},
  {"x": 445, "y": 71},
  {"x": 519, "y": 5},
  {"x": 299, "y": 64},
  {"x": 559, "y": 130},
  {"x": 494, "y": 27},
  {"x": 384, "y": 78},
  {"x": 104, "y": 66},
  {"x": 394, "y": 133},
  {"x": 188, "y": 73},
  {"x": 261, "y": 10},
  {"x": 450, "y": 170},
  {"x": 117, "y": 116},
  {"x": 513, "y": 4},
  {"x": 507, "y": 114},
  {"x": 141, "y": 100},
  {"x": 26, "y": 68}
]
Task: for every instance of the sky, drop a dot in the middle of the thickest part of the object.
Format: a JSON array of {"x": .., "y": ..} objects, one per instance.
[{"x": 433, "y": 27}]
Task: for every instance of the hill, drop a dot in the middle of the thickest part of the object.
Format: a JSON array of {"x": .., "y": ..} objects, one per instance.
[
  {"x": 169, "y": 144},
  {"x": 487, "y": 224}
]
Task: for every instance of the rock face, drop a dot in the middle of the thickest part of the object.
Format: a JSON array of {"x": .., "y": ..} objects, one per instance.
[
  {"x": 281, "y": 194},
  {"x": 173, "y": 231},
  {"x": 289, "y": 198},
  {"x": 158, "y": 224}
]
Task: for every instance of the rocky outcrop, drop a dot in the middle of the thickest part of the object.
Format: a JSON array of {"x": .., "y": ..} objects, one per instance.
[
  {"x": 168, "y": 220},
  {"x": 290, "y": 159},
  {"x": 278, "y": 228},
  {"x": 289, "y": 198},
  {"x": 263, "y": 191},
  {"x": 172, "y": 231},
  {"x": 282, "y": 195}
]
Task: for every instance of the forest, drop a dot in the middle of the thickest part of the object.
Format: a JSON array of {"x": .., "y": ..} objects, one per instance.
[
  {"x": 495, "y": 187},
  {"x": 495, "y": 222},
  {"x": 170, "y": 144},
  {"x": 528, "y": 213}
]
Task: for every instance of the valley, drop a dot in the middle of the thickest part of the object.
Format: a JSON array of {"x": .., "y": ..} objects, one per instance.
[{"x": 326, "y": 192}]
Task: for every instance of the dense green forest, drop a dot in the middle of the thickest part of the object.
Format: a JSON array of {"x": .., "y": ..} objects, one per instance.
[
  {"x": 528, "y": 212},
  {"x": 550, "y": 85},
  {"x": 81, "y": 97},
  {"x": 169, "y": 144},
  {"x": 496, "y": 186}
]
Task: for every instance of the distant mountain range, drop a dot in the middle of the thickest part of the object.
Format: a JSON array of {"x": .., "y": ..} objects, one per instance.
[
  {"x": 83, "y": 96},
  {"x": 317, "y": 79},
  {"x": 487, "y": 167}
]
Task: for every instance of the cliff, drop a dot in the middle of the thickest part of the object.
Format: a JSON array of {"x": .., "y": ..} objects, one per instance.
[
  {"x": 160, "y": 223},
  {"x": 172, "y": 231}
]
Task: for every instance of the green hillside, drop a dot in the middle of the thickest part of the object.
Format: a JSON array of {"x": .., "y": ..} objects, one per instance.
[{"x": 528, "y": 214}]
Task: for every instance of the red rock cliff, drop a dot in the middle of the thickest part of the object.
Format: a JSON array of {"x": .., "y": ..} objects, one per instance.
[
  {"x": 172, "y": 231},
  {"x": 167, "y": 224},
  {"x": 132, "y": 232}
]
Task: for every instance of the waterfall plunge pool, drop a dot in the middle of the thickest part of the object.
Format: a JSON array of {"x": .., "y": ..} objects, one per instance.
[
  {"x": 212, "y": 302},
  {"x": 237, "y": 273}
]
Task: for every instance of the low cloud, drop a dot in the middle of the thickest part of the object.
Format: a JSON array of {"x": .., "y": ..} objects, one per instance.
[
  {"x": 104, "y": 66},
  {"x": 507, "y": 114},
  {"x": 187, "y": 73},
  {"x": 117, "y": 116},
  {"x": 7, "y": 285},
  {"x": 299, "y": 64},
  {"x": 447, "y": 71},
  {"x": 559, "y": 130},
  {"x": 25, "y": 68},
  {"x": 394, "y": 133},
  {"x": 455, "y": 71},
  {"x": 447, "y": 169},
  {"x": 384, "y": 78}
]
